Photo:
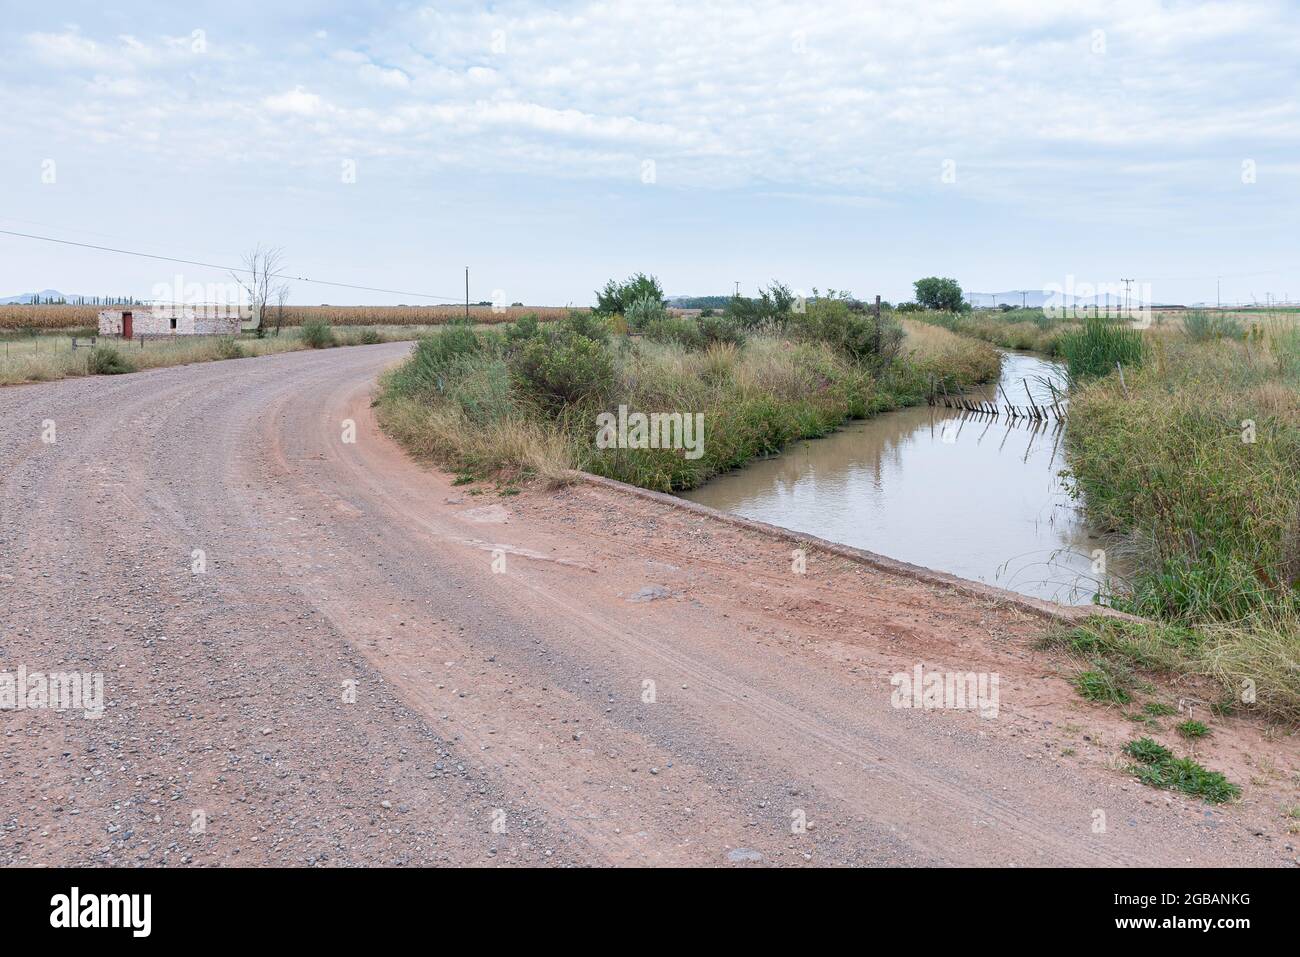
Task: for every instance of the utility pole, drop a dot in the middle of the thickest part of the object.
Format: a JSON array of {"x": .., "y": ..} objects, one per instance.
[
  {"x": 1022, "y": 298},
  {"x": 1127, "y": 283},
  {"x": 737, "y": 288},
  {"x": 467, "y": 294},
  {"x": 1218, "y": 298}
]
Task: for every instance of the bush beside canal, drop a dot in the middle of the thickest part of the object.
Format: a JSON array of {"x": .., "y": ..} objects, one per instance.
[{"x": 524, "y": 401}]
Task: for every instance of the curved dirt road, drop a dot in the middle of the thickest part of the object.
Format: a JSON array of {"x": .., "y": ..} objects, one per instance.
[{"x": 373, "y": 667}]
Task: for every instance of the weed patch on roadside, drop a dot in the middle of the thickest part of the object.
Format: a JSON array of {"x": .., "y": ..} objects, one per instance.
[
  {"x": 317, "y": 335},
  {"x": 1157, "y": 767},
  {"x": 1103, "y": 686},
  {"x": 105, "y": 360}
]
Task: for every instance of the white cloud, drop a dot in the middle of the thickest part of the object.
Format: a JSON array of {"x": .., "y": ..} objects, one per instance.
[
  {"x": 296, "y": 101},
  {"x": 101, "y": 85},
  {"x": 71, "y": 50},
  {"x": 379, "y": 76},
  {"x": 839, "y": 102}
]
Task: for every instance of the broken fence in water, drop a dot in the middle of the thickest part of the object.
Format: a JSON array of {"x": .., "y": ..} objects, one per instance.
[{"x": 1034, "y": 411}]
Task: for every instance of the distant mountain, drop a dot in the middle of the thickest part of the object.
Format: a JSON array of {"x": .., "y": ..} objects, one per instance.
[
  {"x": 1031, "y": 298},
  {"x": 44, "y": 294},
  {"x": 1035, "y": 299}
]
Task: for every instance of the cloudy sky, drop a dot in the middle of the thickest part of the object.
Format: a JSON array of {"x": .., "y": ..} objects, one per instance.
[{"x": 856, "y": 145}]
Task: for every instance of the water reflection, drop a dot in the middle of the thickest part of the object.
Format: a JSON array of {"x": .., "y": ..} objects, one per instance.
[{"x": 976, "y": 496}]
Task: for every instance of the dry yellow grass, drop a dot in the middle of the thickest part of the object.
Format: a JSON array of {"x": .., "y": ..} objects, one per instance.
[
  {"x": 925, "y": 340},
  {"x": 934, "y": 347},
  {"x": 73, "y": 317},
  {"x": 505, "y": 447},
  {"x": 46, "y": 358}
]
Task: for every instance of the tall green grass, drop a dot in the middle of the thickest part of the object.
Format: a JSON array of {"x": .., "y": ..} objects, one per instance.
[
  {"x": 1197, "y": 465},
  {"x": 1202, "y": 326},
  {"x": 1099, "y": 347}
]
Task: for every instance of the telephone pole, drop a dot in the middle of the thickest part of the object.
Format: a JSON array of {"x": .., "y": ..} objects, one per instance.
[
  {"x": 467, "y": 294},
  {"x": 1127, "y": 283}
]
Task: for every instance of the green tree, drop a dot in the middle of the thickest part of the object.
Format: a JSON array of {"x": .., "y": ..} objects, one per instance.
[
  {"x": 617, "y": 296},
  {"x": 773, "y": 304},
  {"x": 935, "y": 293}
]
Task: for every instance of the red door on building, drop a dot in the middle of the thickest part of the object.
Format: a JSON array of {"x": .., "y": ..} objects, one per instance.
[{"x": 126, "y": 325}]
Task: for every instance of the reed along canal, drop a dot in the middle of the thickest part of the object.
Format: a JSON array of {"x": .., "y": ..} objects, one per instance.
[{"x": 974, "y": 495}]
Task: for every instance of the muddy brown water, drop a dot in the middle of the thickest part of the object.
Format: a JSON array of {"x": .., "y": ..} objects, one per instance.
[{"x": 975, "y": 496}]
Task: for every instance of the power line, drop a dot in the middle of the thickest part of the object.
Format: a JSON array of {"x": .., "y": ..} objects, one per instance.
[
  {"x": 193, "y": 262},
  {"x": 1229, "y": 275}
]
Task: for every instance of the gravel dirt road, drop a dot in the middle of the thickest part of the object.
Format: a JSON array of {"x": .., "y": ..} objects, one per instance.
[{"x": 368, "y": 666}]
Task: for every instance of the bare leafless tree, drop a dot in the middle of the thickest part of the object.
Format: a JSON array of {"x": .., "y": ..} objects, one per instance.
[
  {"x": 259, "y": 277},
  {"x": 281, "y": 297}
]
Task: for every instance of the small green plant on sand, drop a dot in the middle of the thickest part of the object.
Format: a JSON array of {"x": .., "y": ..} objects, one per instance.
[
  {"x": 1157, "y": 766},
  {"x": 1100, "y": 685}
]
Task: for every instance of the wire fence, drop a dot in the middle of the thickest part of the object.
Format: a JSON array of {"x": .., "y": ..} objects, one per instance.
[{"x": 23, "y": 347}]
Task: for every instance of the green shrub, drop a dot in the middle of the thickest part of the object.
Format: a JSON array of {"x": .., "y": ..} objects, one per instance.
[
  {"x": 562, "y": 370},
  {"x": 1203, "y": 326},
  {"x": 683, "y": 332},
  {"x": 479, "y": 385},
  {"x": 368, "y": 337},
  {"x": 720, "y": 329},
  {"x": 229, "y": 348},
  {"x": 106, "y": 360},
  {"x": 642, "y": 312},
  {"x": 317, "y": 334},
  {"x": 617, "y": 297},
  {"x": 586, "y": 324},
  {"x": 521, "y": 330},
  {"x": 857, "y": 335},
  {"x": 427, "y": 371},
  {"x": 772, "y": 307}
]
